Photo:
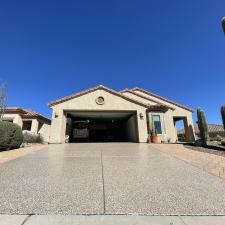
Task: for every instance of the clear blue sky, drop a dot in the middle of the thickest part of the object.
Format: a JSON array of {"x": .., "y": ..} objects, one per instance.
[{"x": 176, "y": 48}]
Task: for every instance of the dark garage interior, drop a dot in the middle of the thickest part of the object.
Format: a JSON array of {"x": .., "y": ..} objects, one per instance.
[{"x": 101, "y": 127}]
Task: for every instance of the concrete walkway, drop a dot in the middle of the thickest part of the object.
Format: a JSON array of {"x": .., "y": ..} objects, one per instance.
[
  {"x": 213, "y": 164},
  {"x": 110, "y": 220}
]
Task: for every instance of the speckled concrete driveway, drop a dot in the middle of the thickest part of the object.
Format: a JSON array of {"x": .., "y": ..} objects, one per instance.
[{"x": 115, "y": 178}]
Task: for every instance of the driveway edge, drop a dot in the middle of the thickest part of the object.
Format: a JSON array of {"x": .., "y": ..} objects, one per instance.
[{"x": 109, "y": 220}]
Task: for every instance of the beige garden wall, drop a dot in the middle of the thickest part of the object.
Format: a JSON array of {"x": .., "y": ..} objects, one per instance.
[
  {"x": 45, "y": 132},
  {"x": 87, "y": 102}
]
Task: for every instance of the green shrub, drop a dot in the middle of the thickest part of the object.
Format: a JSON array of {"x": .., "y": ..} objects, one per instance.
[
  {"x": 181, "y": 137},
  {"x": 11, "y": 136},
  {"x": 223, "y": 142},
  {"x": 30, "y": 137}
]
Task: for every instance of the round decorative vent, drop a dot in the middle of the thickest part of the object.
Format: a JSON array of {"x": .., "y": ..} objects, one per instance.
[{"x": 100, "y": 100}]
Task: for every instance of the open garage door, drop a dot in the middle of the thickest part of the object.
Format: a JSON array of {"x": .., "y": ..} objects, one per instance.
[{"x": 102, "y": 127}]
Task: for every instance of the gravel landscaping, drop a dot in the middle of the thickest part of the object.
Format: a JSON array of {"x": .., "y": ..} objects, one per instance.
[{"x": 212, "y": 148}]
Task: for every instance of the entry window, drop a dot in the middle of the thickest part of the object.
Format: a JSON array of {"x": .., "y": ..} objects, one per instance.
[{"x": 157, "y": 124}]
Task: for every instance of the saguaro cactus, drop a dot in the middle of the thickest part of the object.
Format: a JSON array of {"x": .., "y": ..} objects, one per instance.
[
  {"x": 223, "y": 115},
  {"x": 202, "y": 126}
]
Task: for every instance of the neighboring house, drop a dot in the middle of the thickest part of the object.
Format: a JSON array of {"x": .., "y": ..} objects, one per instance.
[
  {"x": 213, "y": 129},
  {"x": 102, "y": 114},
  {"x": 29, "y": 120}
]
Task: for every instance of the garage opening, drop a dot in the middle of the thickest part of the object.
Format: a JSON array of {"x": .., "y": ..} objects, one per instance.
[{"x": 101, "y": 127}]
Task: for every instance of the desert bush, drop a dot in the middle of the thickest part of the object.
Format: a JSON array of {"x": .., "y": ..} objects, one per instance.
[
  {"x": 30, "y": 137},
  {"x": 11, "y": 136},
  {"x": 181, "y": 137},
  {"x": 223, "y": 142},
  {"x": 218, "y": 138}
]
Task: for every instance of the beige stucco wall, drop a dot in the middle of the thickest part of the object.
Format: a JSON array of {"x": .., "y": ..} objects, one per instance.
[
  {"x": 170, "y": 132},
  {"x": 87, "y": 102},
  {"x": 39, "y": 126},
  {"x": 45, "y": 132},
  {"x": 16, "y": 118},
  {"x": 34, "y": 126}
]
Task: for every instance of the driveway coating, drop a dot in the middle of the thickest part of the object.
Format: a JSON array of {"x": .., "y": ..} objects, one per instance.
[
  {"x": 111, "y": 178},
  {"x": 214, "y": 164},
  {"x": 6, "y": 156}
]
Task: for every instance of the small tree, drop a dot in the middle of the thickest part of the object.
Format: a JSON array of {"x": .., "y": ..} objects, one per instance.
[
  {"x": 202, "y": 126},
  {"x": 3, "y": 99},
  {"x": 223, "y": 115}
]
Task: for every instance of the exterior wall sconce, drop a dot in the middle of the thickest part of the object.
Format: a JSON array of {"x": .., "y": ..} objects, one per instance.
[
  {"x": 56, "y": 115},
  {"x": 141, "y": 116}
]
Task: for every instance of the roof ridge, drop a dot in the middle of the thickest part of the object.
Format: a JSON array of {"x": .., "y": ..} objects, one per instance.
[
  {"x": 93, "y": 89},
  {"x": 162, "y": 98},
  {"x": 141, "y": 96},
  {"x": 27, "y": 113}
]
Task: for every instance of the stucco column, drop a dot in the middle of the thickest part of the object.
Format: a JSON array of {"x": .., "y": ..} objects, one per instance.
[
  {"x": 34, "y": 126},
  {"x": 142, "y": 126},
  {"x": 169, "y": 126},
  {"x": 189, "y": 129},
  {"x": 63, "y": 128},
  {"x": 18, "y": 120},
  {"x": 58, "y": 126}
]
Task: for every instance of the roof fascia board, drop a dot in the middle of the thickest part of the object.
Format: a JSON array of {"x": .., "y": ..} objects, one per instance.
[
  {"x": 100, "y": 87},
  {"x": 162, "y": 98},
  {"x": 146, "y": 98}
]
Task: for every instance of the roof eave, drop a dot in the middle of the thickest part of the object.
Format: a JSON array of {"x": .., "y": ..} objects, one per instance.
[
  {"x": 162, "y": 98},
  {"x": 100, "y": 87},
  {"x": 146, "y": 98}
]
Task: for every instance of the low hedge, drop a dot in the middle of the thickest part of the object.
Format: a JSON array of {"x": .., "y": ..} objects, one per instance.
[
  {"x": 30, "y": 137},
  {"x": 11, "y": 136}
]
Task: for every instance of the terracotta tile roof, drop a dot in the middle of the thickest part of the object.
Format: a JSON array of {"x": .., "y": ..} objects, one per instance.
[
  {"x": 162, "y": 98},
  {"x": 26, "y": 114},
  {"x": 144, "y": 97}
]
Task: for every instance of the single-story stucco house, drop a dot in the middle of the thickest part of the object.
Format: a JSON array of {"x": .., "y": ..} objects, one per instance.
[
  {"x": 108, "y": 115},
  {"x": 28, "y": 120}
]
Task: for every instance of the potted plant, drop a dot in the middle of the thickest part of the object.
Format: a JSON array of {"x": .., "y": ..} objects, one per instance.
[{"x": 153, "y": 135}]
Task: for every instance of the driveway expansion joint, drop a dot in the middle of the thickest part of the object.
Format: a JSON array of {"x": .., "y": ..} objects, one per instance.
[
  {"x": 180, "y": 217},
  {"x": 103, "y": 184},
  {"x": 26, "y": 219}
]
